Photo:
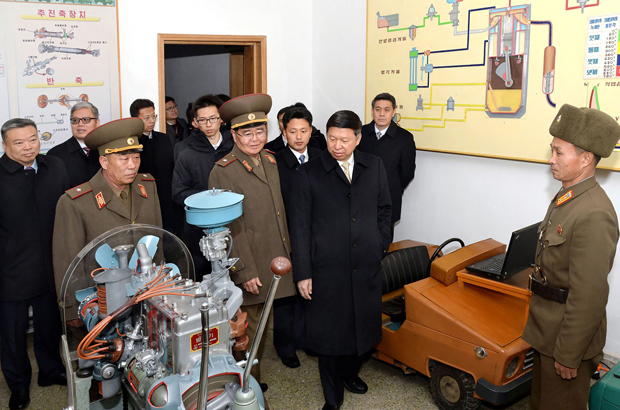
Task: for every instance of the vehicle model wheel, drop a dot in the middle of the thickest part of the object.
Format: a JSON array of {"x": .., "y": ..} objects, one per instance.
[{"x": 453, "y": 389}]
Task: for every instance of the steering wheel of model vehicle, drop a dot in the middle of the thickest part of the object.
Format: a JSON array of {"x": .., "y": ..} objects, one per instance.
[{"x": 436, "y": 254}]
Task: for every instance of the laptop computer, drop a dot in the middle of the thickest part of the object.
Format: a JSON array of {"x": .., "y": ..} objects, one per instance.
[{"x": 519, "y": 255}]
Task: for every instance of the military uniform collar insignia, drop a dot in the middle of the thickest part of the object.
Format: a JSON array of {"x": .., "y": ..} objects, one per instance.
[
  {"x": 143, "y": 191},
  {"x": 564, "y": 198}
]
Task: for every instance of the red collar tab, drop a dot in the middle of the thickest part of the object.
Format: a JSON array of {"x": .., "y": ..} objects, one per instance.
[{"x": 564, "y": 198}]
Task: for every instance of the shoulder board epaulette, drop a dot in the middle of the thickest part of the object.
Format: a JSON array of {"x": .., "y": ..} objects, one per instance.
[
  {"x": 269, "y": 151},
  {"x": 146, "y": 177},
  {"x": 79, "y": 190},
  {"x": 228, "y": 159}
]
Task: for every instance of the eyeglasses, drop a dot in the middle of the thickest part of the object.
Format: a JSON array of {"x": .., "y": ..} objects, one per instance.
[
  {"x": 148, "y": 118},
  {"x": 174, "y": 107},
  {"x": 205, "y": 120},
  {"x": 248, "y": 135},
  {"x": 84, "y": 120}
]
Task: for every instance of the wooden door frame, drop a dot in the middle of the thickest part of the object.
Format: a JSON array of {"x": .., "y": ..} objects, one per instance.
[{"x": 257, "y": 50}]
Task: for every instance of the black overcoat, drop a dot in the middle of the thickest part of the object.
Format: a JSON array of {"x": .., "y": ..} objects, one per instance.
[
  {"x": 27, "y": 214},
  {"x": 397, "y": 150},
  {"x": 157, "y": 159},
  {"x": 339, "y": 234},
  {"x": 287, "y": 164},
  {"x": 80, "y": 168}
]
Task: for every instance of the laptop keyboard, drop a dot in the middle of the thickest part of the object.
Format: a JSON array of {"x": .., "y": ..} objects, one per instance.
[{"x": 494, "y": 265}]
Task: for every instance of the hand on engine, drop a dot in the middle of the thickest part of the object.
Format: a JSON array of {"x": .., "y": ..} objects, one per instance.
[
  {"x": 305, "y": 288},
  {"x": 252, "y": 285}
]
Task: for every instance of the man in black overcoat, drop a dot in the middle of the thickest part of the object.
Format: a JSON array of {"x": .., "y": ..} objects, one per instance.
[
  {"x": 206, "y": 145},
  {"x": 289, "y": 317},
  {"x": 340, "y": 213},
  {"x": 30, "y": 185},
  {"x": 81, "y": 164},
  {"x": 157, "y": 159},
  {"x": 394, "y": 145}
]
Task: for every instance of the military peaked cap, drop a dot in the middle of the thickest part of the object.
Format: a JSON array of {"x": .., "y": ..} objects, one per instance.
[
  {"x": 246, "y": 109},
  {"x": 116, "y": 137}
]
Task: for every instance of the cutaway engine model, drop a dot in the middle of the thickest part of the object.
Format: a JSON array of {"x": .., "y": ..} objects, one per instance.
[{"x": 148, "y": 321}]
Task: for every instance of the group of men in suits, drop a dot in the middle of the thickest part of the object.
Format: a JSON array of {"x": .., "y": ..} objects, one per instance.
[{"x": 125, "y": 172}]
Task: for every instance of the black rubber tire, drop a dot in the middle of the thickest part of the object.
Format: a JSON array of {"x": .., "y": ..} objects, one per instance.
[{"x": 453, "y": 389}]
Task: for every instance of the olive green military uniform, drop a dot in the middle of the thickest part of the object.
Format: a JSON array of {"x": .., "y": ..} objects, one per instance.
[
  {"x": 90, "y": 209},
  {"x": 260, "y": 234},
  {"x": 576, "y": 252},
  {"x": 578, "y": 239}
]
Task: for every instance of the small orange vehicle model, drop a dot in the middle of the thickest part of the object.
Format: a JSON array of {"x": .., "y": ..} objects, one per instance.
[{"x": 461, "y": 329}]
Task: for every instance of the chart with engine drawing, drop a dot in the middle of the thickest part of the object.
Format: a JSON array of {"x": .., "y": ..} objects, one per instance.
[
  {"x": 57, "y": 56},
  {"x": 486, "y": 78}
]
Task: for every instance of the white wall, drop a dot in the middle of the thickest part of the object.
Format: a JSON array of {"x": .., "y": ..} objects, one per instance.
[
  {"x": 187, "y": 78},
  {"x": 316, "y": 52},
  {"x": 438, "y": 204},
  {"x": 287, "y": 25}
]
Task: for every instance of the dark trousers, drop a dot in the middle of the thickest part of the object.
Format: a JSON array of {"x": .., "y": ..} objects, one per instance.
[
  {"x": 13, "y": 346},
  {"x": 334, "y": 370},
  {"x": 254, "y": 313},
  {"x": 289, "y": 325},
  {"x": 551, "y": 392}
]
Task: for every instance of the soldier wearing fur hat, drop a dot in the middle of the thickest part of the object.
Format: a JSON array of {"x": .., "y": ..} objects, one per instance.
[
  {"x": 578, "y": 238},
  {"x": 117, "y": 195},
  {"x": 261, "y": 233}
]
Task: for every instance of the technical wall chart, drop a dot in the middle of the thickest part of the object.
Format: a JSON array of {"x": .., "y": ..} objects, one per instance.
[
  {"x": 53, "y": 55},
  {"x": 485, "y": 77}
]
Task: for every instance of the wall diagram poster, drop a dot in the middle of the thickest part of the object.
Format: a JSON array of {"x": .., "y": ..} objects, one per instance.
[
  {"x": 486, "y": 78},
  {"x": 55, "y": 55}
]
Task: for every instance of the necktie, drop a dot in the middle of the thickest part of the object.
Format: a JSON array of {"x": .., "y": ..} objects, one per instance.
[
  {"x": 302, "y": 159},
  {"x": 86, "y": 150},
  {"x": 28, "y": 168},
  {"x": 345, "y": 165},
  {"x": 379, "y": 135}
]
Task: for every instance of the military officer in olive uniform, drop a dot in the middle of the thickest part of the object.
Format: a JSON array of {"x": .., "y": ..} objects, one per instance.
[
  {"x": 117, "y": 195},
  {"x": 578, "y": 238},
  {"x": 261, "y": 233}
]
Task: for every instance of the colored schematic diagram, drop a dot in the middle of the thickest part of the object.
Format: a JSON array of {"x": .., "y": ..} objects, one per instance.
[
  {"x": 43, "y": 33},
  {"x": 63, "y": 99},
  {"x": 35, "y": 67},
  {"x": 387, "y": 21},
  {"x": 509, "y": 41},
  {"x": 48, "y": 48}
]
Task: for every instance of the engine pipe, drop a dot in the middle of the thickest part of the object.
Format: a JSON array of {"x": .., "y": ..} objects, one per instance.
[{"x": 203, "y": 387}]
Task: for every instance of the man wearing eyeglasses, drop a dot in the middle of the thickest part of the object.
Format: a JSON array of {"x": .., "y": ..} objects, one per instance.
[
  {"x": 81, "y": 164},
  {"x": 157, "y": 159},
  {"x": 176, "y": 127},
  {"x": 261, "y": 233},
  {"x": 207, "y": 145}
]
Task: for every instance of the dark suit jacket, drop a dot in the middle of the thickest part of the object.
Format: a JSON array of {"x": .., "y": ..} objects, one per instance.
[
  {"x": 80, "y": 168},
  {"x": 397, "y": 150},
  {"x": 178, "y": 133},
  {"x": 287, "y": 165},
  {"x": 27, "y": 214},
  {"x": 339, "y": 234},
  {"x": 157, "y": 159}
]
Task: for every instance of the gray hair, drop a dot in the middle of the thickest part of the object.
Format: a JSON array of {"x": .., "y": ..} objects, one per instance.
[
  {"x": 16, "y": 123},
  {"x": 84, "y": 104}
]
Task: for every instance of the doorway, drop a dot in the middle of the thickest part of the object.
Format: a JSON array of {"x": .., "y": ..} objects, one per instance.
[{"x": 194, "y": 65}]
